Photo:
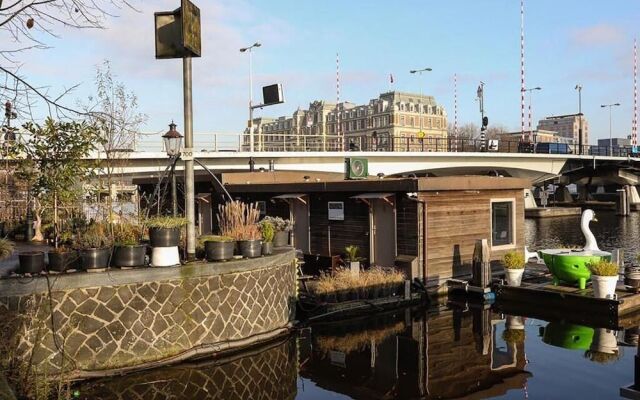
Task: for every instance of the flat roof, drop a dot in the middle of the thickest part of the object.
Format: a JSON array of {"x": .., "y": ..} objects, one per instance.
[{"x": 270, "y": 182}]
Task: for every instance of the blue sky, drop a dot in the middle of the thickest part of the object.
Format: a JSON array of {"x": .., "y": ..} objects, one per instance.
[{"x": 567, "y": 42}]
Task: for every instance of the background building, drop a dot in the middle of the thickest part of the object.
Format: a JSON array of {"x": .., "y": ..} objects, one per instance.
[
  {"x": 567, "y": 126},
  {"x": 394, "y": 120},
  {"x": 615, "y": 142},
  {"x": 537, "y": 136}
]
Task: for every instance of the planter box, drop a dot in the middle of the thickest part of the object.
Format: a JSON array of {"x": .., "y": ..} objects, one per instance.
[
  {"x": 164, "y": 237},
  {"x": 61, "y": 261},
  {"x": 129, "y": 256},
  {"x": 31, "y": 262},
  {"x": 250, "y": 248},
  {"x": 95, "y": 258},
  {"x": 219, "y": 251}
]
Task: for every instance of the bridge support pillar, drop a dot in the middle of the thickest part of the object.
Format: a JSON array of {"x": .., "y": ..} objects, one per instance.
[
  {"x": 563, "y": 195},
  {"x": 583, "y": 193},
  {"x": 623, "y": 206}
]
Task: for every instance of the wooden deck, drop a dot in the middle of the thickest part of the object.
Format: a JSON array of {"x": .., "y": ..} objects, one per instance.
[{"x": 538, "y": 297}]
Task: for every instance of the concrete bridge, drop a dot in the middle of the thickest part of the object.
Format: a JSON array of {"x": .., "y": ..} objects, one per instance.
[{"x": 592, "y": 169}]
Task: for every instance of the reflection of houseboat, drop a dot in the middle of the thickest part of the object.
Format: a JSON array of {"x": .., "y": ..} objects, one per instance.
[
  {"x": 415, "y": 356},
  {"x": 388, "y": 218}
]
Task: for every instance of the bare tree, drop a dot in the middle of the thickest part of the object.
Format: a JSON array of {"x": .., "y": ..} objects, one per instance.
[
  {"x": 25, "y": 26},
  {"x": 466, "y": 131},
  {"x": 494, "y": 131}
]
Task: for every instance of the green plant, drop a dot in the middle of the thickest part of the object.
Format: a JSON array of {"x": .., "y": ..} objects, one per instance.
[
  {"x": 352, "y": 253},
  {"x": 513, "y": 260},
  {"x": 126, "y": 234},
  {"x": 343, "y": 279},
  {"x": 513, "y": 336},
  {"x": 6, "y": 248},
  {"x": 601, "y": 357},
  {"x": 93, "y": 236},
  {"x": 166, "y": 222},
  {"x": 268, "y": 231},
  {"x": 280, "y": 224},
  {"x": 603, "y": 268}
]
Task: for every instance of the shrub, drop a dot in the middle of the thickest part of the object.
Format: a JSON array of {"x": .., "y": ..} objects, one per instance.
[
  {"x": 513, "y": 260},
  {"x": 352, "y": 253},
  {"x": 126, "y": 234},
  {"x": 6, "y": 248},
  {"x": 373, "y": 278},
  {"x": 166, "y": 222},
  {"x": 603, "y": 268},
  {"x": 513, "y": 336},
  {"x": 93, "y": 236},
  {"x": 268, "y": 230}
]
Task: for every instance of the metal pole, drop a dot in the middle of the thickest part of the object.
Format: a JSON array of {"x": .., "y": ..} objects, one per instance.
[
  {"x": 580, "y": 142},
  {"x": 610, "y": 140},
  {"x": 174, "y": 189},
  {"x": 188, "y": 165},
  {"x": 251, "y": 140}
]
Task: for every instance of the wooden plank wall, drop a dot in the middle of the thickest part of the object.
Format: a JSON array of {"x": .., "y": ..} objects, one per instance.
[
  {"x": 407, "y": 226},
  {"x": 354, "y": 230},
  {"x": 455, "y": 220}
]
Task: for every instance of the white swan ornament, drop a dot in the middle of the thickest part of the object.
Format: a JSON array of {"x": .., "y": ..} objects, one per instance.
[{"x": 591, "y": 244}]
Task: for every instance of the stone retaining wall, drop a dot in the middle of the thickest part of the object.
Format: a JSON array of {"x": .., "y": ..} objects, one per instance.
[{"x": 82, "y": 322}]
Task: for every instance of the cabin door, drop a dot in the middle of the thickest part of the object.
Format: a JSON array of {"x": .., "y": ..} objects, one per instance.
[
  {"x": 205, "y": 217},
  {"x": 299, "y": 209},
  {"x": 383, "y": 231}
]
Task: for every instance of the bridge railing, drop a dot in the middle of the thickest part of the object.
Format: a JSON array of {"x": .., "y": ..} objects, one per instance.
[{"x": 230, "y": 142}]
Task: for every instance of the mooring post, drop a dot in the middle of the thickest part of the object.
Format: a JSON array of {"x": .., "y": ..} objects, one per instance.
[
  {"x": 481, "y": 265},
  {"x": 622, "y": 204}
]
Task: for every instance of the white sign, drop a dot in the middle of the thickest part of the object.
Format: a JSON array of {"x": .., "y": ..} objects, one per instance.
[
  {"x": 336, "y": 210},
  {"x": 187, "y": 154}
]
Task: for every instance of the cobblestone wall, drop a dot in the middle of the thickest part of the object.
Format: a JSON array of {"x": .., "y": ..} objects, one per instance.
[{"x": 140, "y": 316}]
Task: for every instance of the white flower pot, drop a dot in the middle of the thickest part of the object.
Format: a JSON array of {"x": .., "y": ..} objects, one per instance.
[
  {"x": 514, "y": 322},
  {"x": 604, "y": 341},
  {"x": 165, "y": 256},
  {"x": 514, "y": 276},
  {"x": 604, "y": 286}
]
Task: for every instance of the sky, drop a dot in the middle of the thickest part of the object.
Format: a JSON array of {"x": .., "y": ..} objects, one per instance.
[{"x": 566, "y": 42}]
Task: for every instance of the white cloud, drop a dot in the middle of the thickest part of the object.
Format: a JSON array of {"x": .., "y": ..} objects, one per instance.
[{"x": 597, "y": 35}]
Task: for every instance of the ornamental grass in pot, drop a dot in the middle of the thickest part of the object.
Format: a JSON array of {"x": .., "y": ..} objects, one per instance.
[
  {"x": 268, "y": 232},
  {"x": 63, "y": 258},
  {"x": 513, "y": 263},
  {"x": 164, "y": 231},
  {"x": 217, "y": 247},
  {"x": 127, "y": 250},
  {"x": 94, "y": 247},
  {"x": 240, "y": 221},
  {"x": 604, "y": 277}
]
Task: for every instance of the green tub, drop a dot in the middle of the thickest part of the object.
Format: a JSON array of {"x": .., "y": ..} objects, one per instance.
[
  {"x": 570, "y": 266},
  {"x": 567, "y": 336}
]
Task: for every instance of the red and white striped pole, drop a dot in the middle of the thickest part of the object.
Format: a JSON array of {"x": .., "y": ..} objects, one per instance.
[
  {"x": 337, "y": 78},
  {"x": 522, "y": 85},
  {"x": 634, "y": 126},
  {"x": 455, "y": 112}
]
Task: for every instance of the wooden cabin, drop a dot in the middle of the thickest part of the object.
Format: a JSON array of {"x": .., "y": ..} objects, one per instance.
[{"x": 390, "y": 218}]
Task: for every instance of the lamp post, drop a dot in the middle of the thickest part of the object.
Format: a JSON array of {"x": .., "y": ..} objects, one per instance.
[
  {"x": 242, "y": 50},
  {"x": 610, "y": 138},
  {"x": 172, "y": 142},
  {"x": 530, "y": 105},
  {"x": 419, "y": 72},
  {"x": 580, "y": 143}
]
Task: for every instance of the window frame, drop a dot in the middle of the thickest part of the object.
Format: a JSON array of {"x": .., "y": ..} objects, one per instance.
[{"x": 514, "y": 240}]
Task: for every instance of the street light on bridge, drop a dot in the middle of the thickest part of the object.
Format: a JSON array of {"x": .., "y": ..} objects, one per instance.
[
  {"x": 419, "y": 72},
  {"x": 610, "y": 138},
  {"x": 243, "y": 50},
  {"x": 530, "y": 105}
]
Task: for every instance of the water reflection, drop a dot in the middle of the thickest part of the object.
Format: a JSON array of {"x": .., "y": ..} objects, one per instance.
[{"x": 611, "y": 232}]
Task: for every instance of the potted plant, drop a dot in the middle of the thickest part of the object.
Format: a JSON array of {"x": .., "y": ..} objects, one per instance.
[
  {"x": 218, "y": 248},
  {"x": 513, "y": 263},
  {"x": 63, "y": 258},
  {"x": 604, "y": 276},
  {"x": 240, "y": 221},
  {"x": 513, "y": 336},
  {"x": 164, "y": 237},
  {"x": 127, "y": 250},
  {"x": 282, "y": 228},
  {"x": 353, "y": 261},
  {"x": 94, "y": 246},
  {"x": 268, "y": 232}
]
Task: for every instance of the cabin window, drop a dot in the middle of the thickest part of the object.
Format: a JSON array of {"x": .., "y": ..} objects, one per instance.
[{"x": 502, "y": 223}]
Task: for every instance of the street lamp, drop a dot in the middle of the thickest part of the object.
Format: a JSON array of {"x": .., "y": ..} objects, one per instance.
[
  {"x": 242, "y": 50},
  {"x": 580, "y": 143},
  {"x": 172, "y": 143},
  {"x": 610, "y": 138},
  {"x": 419, "y": 72},
  {"x": 530, "y": 106}
]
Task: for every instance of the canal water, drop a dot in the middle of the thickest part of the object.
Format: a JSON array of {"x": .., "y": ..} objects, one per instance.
[{"x": 450, "y": 351}]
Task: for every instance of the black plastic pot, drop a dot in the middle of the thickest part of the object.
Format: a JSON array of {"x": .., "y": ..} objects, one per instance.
[
  {"x": 95, "y": 258},
  {"x": 281, "y": 239},
  {"x": 61, "y": 261},
  {"x": 267, "y": 248},
  {"x": 31, "y": 262},
  {"x": 164, "y": 237},
  {"x": 129, "y": 256},
  {"x": 219, "y": 251},
  {"x": 250, "y": 248}
]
